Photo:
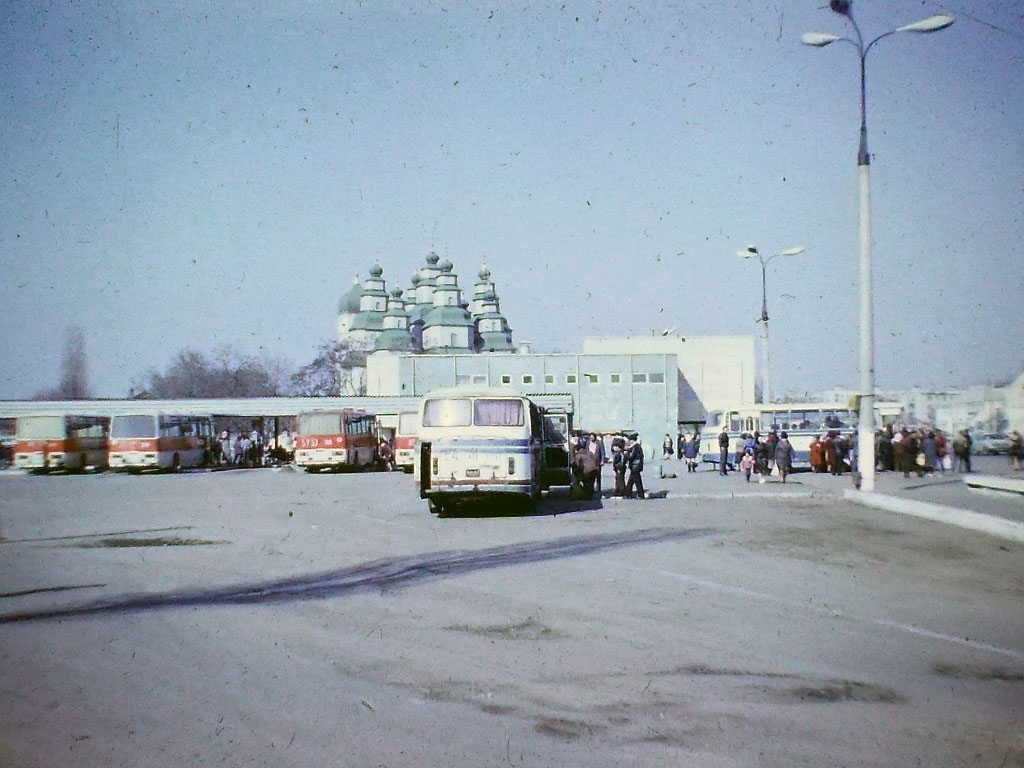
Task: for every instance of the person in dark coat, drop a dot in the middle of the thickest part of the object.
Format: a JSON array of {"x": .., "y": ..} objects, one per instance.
[
  {"x": 635, "y": 482},
  {"x": 619, "y": 467},
  {"x": 930, "y": 449},
  {"x": 723, "y": 452},
  {"x": 692, "y": 450},
  {"x": 596, "y": 447},
  {"x": 585, "y": 470},
  {"x": 784, "y": 455}
]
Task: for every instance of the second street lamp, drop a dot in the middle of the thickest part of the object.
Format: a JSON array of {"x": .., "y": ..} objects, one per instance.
[
  {"x": 866, "y": 421},
  {"x": 751, "y": 252}
]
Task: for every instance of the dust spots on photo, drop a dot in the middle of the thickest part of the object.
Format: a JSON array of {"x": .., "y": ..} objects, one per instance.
[
  {"x": 566, "y": 729},
  {"x": 984, "y": 672},
  {"x": 843, "y": 691},
  {"x": 530, "y": 629},
  {"x": 153, "y": 541}
]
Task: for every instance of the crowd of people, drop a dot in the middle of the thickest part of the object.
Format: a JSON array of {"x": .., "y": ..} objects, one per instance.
[
  {"x": 627, "y": 458},
  {"x": 251, "y": 449}
]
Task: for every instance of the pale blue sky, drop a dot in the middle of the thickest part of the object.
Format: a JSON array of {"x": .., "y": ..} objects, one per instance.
[{"x": 208, "y": 173}]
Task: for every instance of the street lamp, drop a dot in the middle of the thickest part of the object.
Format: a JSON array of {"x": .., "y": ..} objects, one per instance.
[
  {"x": 866, "y": 425},
  {"x": 751, "y": 252}
]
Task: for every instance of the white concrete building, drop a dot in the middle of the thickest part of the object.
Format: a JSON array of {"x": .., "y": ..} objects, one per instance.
[{"x": 717, "y": 372}]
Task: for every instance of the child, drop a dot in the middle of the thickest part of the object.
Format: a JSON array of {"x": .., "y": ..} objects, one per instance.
[{"x": 747, "y": 463}]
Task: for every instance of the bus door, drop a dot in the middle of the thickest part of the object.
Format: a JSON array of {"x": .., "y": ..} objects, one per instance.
[{"x": 557, "y": 431}]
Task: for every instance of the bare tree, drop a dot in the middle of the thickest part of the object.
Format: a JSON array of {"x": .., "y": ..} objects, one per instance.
[
  {"x": 74, "y": 384},
  {"x": 332, "y": 371},
  {"x": 226, "y": 373}
]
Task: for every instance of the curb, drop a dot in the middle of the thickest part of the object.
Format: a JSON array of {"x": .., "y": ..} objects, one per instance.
[
  {"x": 995, "y": 483},
  {"x": 962, "y": 518}
]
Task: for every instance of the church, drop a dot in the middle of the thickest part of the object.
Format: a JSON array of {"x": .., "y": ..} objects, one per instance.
[{"x": 430, "y": 316}]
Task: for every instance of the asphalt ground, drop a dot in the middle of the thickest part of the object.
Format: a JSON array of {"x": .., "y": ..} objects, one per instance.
[{"x": 274, "y": 618}]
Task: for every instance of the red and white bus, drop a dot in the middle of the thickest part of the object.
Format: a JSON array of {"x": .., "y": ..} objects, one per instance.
[
  {"x": 341, "y": 439},
  {"x": 160, "y": 441},
  {"x": 60, "y": 441},
  {"x": 407, "y": 435}
]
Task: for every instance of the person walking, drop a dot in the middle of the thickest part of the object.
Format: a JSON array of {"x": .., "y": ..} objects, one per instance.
[
  {"x": 619, "y": 466},
  {"x": 930, "y": 449},
  {"x": 962, "y": 452},
  {"x": 596, "y": 447},
  {"x": 666, "y": 448},
  {"x": 817, "y": 455},
  {"x": 723, "y": 452},
  {"x": 635, "y": 457},
  {"x": 692, "y": 449},
  {"x": 784, "y": 455},
  {"x": 585, "y": 471},
  {"x": 747, "y": 463},
  {"x": 681, "y": 446}
]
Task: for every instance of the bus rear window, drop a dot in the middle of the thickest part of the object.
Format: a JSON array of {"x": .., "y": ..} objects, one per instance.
[
  {"x": 447, "y": 413},
  {"x": 498, "y": 413},
  {"x": 319, "y": 423},
  {"x": 133, "y": 426}
]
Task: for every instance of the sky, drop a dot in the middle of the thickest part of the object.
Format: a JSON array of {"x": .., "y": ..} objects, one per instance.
[{"x": 200, "y": 174}]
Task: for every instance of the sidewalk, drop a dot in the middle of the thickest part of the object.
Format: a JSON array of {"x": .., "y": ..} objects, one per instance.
[{"x": 943, "y": 498}]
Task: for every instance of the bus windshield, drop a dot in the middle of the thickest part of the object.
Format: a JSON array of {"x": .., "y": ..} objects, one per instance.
[
  {"x": 40, "y": 427},
  {"x": 319, "y": 423},
  {"x": 408, "y": 423},
  {"x": 133, "y": 426},
  {"x": 498, "y": 413}
]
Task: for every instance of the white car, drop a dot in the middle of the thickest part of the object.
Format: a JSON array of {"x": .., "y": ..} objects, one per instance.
[{"x": 991, "y": 444}]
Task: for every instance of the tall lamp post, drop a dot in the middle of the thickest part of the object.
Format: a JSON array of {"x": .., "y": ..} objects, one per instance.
[
  {"x": 751, "y": 252},
  {"x": 866, "y": 425}
]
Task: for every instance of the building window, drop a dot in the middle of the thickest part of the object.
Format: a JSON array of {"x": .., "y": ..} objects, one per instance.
[
  {"x": 549, "y": 378},
  {"x": 506, "y": 378},
  {"x": 461, "y": 379},
  {"x": 455, "y": 340},
  {"x": 616, "y": 378},
  {"x": 639, "y": 378},
  {"x": 570, "y": 378},
  {"x": 527, "y": 378},
  {"x": 656, "y": 378},
  {"x": 479, "y": 378},
  {"x": 590, "y": 377}
]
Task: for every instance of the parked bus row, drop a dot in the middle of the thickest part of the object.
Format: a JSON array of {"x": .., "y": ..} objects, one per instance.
[
  {"x": 335, "y": 440},
  {"x": 465, "y": 446}
]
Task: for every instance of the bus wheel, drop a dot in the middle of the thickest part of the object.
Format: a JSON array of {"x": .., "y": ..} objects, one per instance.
[{"x": 311, "y": 470}]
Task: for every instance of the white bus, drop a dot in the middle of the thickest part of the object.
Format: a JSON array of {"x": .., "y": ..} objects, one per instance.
[
  {"x": 801, "y": 421},
  {"x": 483, "y": 444},
  {"x": 160, "y": 441},
  {"x": 407, "y": 436},
  {"x": 60, "y": 441}
]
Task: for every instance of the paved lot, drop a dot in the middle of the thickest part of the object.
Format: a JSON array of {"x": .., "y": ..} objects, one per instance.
[{"x": 274, "y": 618}]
